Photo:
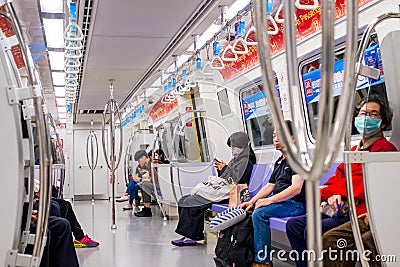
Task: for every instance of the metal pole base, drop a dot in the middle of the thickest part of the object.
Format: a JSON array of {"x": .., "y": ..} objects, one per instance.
[{"x": 114, "y": 226}]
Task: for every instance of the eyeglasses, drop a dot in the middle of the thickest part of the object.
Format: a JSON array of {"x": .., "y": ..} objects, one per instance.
[{"x": 373, "y": 114}]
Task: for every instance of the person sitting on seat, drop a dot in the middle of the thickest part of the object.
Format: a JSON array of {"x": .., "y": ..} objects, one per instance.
[
  {"x": 159, "y": 157},
  {"x": 147, "y": 187},
  {"x": 287, "y": 199},
  {"x": 66, "y": 211},
  {"x": 142, "y": 171},
  {"x": 373, "y": 116},
  {"x": 59, "y": 250},
  {"x": 345, "y": 231},
  {"x": 192, "y": 207}
]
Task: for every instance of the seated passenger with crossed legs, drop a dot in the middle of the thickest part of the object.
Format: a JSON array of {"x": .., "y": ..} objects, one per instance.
[
  {"x": 66, "y": 211},
  {"x": 287, "y": 199},
  {"x": 373, "y": 116},
  {"x": 142, "y": 172},
  {"x": 192, "y": 207}
]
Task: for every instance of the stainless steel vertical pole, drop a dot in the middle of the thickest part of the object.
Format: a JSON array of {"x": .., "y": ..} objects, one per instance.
[
  {"x": 92, "y": 163},
  {"x": 113, "y": 161}
]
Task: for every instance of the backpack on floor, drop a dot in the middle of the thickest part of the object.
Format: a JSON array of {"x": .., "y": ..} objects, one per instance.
[{"x": 235, "y": 245}]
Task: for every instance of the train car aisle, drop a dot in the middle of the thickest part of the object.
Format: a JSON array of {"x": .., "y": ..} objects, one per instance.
[{"x": 137, "y": 241}]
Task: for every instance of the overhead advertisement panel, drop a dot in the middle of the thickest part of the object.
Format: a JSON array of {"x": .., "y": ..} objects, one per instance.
[
  {"x": 312, "y": 80},
  {"x": 308, "y": 22}
]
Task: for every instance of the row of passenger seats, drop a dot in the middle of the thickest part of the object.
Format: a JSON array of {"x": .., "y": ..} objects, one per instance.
[{"x": 259, "y": 178}]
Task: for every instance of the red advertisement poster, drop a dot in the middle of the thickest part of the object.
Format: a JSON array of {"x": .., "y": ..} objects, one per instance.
[
  {"x": 5, "y": 26},
  {"x": 307, "y": 22},
  {"x": 160, "y": 110}
]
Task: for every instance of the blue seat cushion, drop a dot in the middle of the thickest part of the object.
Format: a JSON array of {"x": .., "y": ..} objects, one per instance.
[
  {"x": 279, "y": 223},
  {"x": 219, "y": 207}
]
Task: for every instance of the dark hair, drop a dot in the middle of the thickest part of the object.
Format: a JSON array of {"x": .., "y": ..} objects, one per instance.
[
  {"x": 238, "y": 139},
  {"x": 385, "y": 110},
  {"x": 161, "y": 154},
  {"x": 150, "y": 153},
  {"x": 290, "y": 128},
  {"x": 139, "y": 154}
]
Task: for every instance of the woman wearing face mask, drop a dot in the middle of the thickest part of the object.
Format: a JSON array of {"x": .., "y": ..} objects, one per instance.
[
  {"x": 192, "y": 207},
  {"x": 373, "y": 116}
]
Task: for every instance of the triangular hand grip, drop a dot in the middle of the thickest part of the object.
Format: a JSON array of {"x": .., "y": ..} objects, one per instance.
[
  {"x": 278, "y": 12},
  {"x": 251, "y": 38},
  {"x": 73, "y": 45},
  {"x": 228, "y": 55},
  {"x": 72, "y": 63},
  {"x": 184, "y": 88},
  {"x": 307, "y": 7},
  {"x": 217, "y": 63},
  {"x": 240, "y": 47},
  {"x": 190, "y": 82},
  {"x": 275, "y": 29},
  {"x": 179, "y": 90},
  {"x": 72, "y": 28},
  {"x": 207, "y": 69}
]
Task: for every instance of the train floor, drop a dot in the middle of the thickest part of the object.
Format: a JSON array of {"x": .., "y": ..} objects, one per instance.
[{"x": 137, "y": 241}]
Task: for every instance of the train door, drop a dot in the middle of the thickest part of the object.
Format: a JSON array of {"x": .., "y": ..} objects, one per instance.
[{"x": 82, "y": 172}]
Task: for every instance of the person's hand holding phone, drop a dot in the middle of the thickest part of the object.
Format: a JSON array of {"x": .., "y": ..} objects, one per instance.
[{"x": 219, "y": 164}]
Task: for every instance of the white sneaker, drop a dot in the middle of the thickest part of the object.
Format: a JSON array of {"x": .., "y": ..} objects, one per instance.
[
  {"x": 137, "y": 209},
  {"x": 122, "y": 198},
  {"x": 128, "y": 207}
]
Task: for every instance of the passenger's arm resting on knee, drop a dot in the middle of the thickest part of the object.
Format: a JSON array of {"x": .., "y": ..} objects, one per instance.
[{"x": 291, "y": 191}]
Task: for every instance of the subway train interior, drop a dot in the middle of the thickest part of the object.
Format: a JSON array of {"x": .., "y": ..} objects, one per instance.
[{"x": 126, "y": 124}]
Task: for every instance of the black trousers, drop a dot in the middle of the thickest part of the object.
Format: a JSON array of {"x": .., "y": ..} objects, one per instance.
[
  {"x": 68, "y": 213},
  {"x": 191, "y": 210},
  {"x": 59, "y": 250}
]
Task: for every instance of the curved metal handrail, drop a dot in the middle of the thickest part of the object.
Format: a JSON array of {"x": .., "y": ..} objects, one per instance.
[
  {"x": 43, "y": 138},
  {"x": 154, "y": 168},
  {"x": 114, "y": 161},
  {"x": 60, "y": 152},
  {"x": 178, "y": 129},
  {"x": 349, "y": 177},
  {"x": 328, "y": 137},
  {"x": 126, "y": 158},
  {"x": 92, "y": 162}
]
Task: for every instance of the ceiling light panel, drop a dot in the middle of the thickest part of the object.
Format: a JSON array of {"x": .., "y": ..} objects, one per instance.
[
  {"x": 56, "y": 60},
  {"x": 235, "y": 8},
  {"x": 60, "y": 102},
  {"x": 208, "y": 34},
  {"x": 51, "y": 6},
  {"x": 58, "y": 78},
  {"x": 59, "y": 91},
  {"x": 54, "y": 30}
]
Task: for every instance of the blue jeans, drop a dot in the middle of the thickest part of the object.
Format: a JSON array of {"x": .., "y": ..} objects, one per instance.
[
  {"x": 296, "y": 231},
  {"x": 132, "y": 189},
  {"x": 261, "y": 225}
]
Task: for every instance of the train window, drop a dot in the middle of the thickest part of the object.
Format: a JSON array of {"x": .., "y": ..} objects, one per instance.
[
  {"x": 256, "y": 115},
  {"x": 224, "y": 102},
  {"x": 311, "y": 79}
]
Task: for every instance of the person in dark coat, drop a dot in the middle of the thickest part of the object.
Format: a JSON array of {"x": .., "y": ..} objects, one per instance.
[{"x": 192, "y": 207}]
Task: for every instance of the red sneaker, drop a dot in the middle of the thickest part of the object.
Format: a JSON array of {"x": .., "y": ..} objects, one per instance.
[{"x": 85, "y": 241}]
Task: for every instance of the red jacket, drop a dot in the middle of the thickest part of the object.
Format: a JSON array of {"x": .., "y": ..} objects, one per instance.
[{"x": 336, "y": 185}]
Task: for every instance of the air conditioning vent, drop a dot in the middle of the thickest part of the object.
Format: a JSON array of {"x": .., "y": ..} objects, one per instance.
[{"x": 91, "y": 111}]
